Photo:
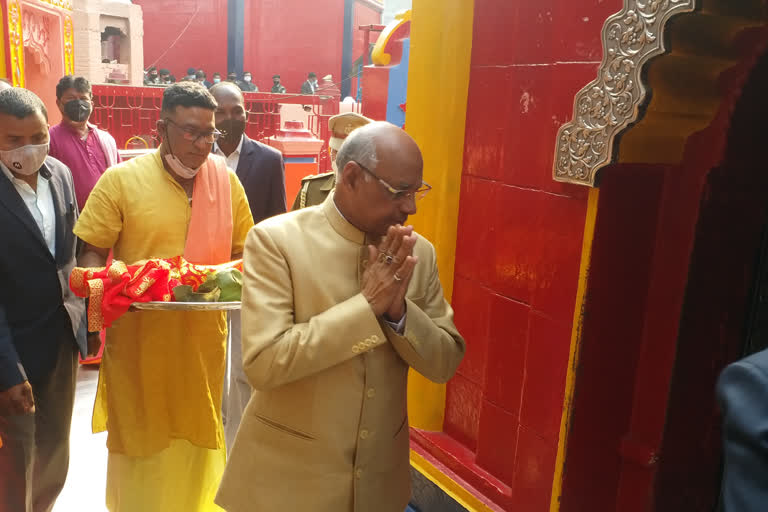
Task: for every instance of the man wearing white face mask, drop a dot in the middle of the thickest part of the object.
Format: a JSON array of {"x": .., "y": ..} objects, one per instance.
[
  {"x": 39, "y": 315},
  {"x": 162, "y": 372},
  {"x": 247, "y": 84}
]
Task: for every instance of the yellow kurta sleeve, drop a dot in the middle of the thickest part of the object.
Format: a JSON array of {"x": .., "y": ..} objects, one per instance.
[
  {"x": 242, "y": 220},
  {"x": 101, "y": 220},
  {"x": 431, "y": 344}
]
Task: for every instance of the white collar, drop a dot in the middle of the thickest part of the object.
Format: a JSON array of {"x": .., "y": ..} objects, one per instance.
[{"x": 237, "y": 150}]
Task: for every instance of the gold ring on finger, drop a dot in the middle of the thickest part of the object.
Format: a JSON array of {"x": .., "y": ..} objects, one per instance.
[
  {"x": 389, "y": 259},
  {"x": 397, "y": 277}
]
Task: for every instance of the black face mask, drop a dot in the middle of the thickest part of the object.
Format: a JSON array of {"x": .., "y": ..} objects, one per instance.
[
  {"x": 77, "y": 110},
  {"x": 231, "y": 130}
]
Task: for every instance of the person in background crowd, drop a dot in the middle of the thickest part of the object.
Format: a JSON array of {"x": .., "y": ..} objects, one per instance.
[
  {"x": 262, "y": 173},
  {"x": 328, "y": 88},
  {"x": 80, "y": 145},
  {"x": 328, "y": 351},
  {"x": 232, "y": 78},
  {"x": 200, "y": 78},
  {"x": 216, "y": 78},
  {"x": 191, "y": 74},
  {"x": 247, "y": 84},
  {"x": 39, "y": 316},
  {"x": 310, "y": 85},
  {"x": 316, "y": 187},
  {"x": 166, "y": 77},
  {"x": 160, "y": 387},
  {"x": 151, "y": 78},
  {"x": 742, "y": 390},
  {"x": 277, "y": 87}
]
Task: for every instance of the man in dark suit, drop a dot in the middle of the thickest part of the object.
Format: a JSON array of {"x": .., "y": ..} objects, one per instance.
[
  {"x": 40, "y": 318},
  {"x": 262, "y": 172},
  {"x": 310, "y": 86},
  {"x": 743, "y": 394},
  {"x": 260, "y": 168}
]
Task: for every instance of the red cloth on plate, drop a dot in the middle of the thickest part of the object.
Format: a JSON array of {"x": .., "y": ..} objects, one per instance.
[{"x": 113, "y": 289}]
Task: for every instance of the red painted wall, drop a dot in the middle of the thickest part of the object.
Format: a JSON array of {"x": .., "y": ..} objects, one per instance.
[
  {"x": 202, "y": 45},
  {"x": 519, "y": 241},
  {"x": 292, "y": 38}
]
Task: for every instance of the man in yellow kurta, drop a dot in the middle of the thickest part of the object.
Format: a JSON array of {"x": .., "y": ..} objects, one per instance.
[{"x": 160, "y": 387}]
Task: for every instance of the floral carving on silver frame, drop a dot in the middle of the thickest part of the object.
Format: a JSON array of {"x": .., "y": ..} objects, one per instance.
[{"x": 608, "y": 105}]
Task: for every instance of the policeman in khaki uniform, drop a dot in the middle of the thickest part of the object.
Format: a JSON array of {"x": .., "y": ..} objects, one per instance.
[
  {"x": 328, "y": 353},
  {"x": 316, "y": 187}
]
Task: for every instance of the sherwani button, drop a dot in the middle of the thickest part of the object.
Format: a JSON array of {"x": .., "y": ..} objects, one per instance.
[
  {"x": 371, "y": 393},
  {"x": 358, "y": 473},
  {"x": 363, "y": 434}
]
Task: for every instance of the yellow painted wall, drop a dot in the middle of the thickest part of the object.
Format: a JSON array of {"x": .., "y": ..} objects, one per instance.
[{"x": 438, "y": 81}]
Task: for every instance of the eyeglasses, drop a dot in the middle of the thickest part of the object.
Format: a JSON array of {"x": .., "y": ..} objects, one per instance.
[
  {"x": 399, "y": 194},
  {"x": 193, "y": 136}
]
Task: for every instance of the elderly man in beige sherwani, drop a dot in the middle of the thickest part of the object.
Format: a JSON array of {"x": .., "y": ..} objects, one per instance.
[{"x": 339, "y": 300}]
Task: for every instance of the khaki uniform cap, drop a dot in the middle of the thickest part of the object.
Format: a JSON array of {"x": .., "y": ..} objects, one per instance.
[
  {"x": 342, "y": 125},
  {"x": 316, "y": 187}
]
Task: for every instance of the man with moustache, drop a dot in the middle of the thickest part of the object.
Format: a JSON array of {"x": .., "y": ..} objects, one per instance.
[
  {"x": 262, "y": 172},
  {"x": 160, "y": 388},
  {"x": 339, "y": 301}
]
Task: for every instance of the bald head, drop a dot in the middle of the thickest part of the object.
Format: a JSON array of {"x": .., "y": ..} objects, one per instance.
[
  {"x": 368, "y": 144},
  {"x": 380, "y": 168},
  {"x": 226, "y": 89}
]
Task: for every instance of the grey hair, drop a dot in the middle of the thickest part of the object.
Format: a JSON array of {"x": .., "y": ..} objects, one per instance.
[{"x": 359, "y": 147}]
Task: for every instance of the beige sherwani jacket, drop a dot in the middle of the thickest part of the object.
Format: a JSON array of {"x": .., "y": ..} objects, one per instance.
[{"x": 326, "y": 428}]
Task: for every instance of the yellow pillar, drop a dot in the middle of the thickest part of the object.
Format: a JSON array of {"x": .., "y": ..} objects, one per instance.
[{"x": 438, "y": 81}]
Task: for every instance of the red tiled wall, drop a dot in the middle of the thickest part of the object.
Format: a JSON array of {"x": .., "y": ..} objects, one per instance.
[{"x": 519, "y": 239}]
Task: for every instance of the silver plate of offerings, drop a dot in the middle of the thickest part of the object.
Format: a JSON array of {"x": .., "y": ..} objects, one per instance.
[{"x": 186, "y": 306}]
